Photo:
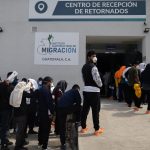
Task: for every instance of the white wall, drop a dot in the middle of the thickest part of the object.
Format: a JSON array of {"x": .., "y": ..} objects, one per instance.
[{"x": 17, "y": 40}]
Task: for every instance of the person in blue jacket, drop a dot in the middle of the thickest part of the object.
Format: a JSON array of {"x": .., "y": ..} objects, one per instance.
[
  {"x": 46, "y": 110},
  {"x": 70, "y": 102}
]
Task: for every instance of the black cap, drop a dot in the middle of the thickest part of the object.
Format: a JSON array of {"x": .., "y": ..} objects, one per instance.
[{"x": 47, "y": 79}]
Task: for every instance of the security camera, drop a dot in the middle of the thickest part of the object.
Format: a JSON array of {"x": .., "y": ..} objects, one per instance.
[{"x": 146, "y": 30}]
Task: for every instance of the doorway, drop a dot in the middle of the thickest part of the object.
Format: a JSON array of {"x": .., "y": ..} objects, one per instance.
[{"x": 113, "y": 52}]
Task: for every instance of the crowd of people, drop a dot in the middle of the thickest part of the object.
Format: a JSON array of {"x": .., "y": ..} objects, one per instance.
[
  {"x": 28, "y": 103},
  {"x": 129, "y": 84}
]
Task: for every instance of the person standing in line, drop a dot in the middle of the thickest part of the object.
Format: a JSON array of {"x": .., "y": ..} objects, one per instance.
[
  {"x": 91, "y": 93},
  {"x": 133, "y": 77},
  {"x": 118, "y": 78},
  {"x": 46, "y": 110},
  {"x": 57, "y": 93},
  {"x": 18, "y": 99},
  {"x": 70, "y": 102},
  {"x": 6, "y": 88},
  {"x": 145, "y": 80}
]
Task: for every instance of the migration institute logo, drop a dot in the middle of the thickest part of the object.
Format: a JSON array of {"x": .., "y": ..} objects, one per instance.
[
  {"x": 41, "y": 7},
  {"x": 50, "y": 45}
]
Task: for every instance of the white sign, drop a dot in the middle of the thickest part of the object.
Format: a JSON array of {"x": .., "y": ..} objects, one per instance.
[
  {"x": 87, "y": 10},
  {"x": 56, "y": 48}
]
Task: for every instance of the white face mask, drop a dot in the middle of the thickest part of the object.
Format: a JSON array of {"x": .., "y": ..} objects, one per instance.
[
  {"x": 94, "y": 59},
  {"x": 40, "y": 82}
]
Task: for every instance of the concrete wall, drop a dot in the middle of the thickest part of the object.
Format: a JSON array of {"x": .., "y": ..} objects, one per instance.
[{"x": 17, "y": 40}]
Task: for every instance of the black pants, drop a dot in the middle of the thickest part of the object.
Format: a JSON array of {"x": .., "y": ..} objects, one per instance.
[
  {"x": 4, "y": 125},
  {"x": 20, "y": 131},
  {"x": 44, "y": 129},
  {"x": 132, "y": 97},
  {"x": 31, "y": 118},
  {"x": 121, "y": 92},
  {"x": 147, "y": 95},
  {"x": 62, "y": 116},
  {"x": 91, "y": 99}
]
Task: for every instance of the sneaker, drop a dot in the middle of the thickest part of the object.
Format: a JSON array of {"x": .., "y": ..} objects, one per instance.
[
  {"x": 99, "y": 131},
  {"x": 147, "y": 112},
  {"x": 84, "y": 130},
  {"x": 135, "y": 109}
]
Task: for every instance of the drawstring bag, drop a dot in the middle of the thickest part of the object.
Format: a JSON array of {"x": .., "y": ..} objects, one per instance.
[{"x": 137, "y": 89}]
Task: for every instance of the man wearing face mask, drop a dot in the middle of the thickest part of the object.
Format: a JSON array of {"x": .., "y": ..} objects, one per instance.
[{"x": 91, "y": 93}]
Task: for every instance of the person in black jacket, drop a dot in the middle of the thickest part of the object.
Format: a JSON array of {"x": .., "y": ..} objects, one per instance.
[
  {"x": 91, "y": 93},
  {"x": 70, "y": 102},
  {"x": 145, "y": 80},
  {"x": 20, "y": 112},
  {"x": 46, "y": 110},
  {"x": 5, "y": 111}
]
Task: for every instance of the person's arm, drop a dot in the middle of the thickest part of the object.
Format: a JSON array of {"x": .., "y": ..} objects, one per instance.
[
  {"x": 136, "y": 76},
  {"x": 124, "y": 73},
  {"x": 96, "y": 76},
  {"x": 77, "y": 97},
  {"x": 49, "y": 102}
]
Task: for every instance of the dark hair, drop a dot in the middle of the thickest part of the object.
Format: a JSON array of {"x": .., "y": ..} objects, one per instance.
[
  {"x": 90, "y": 53},
  {"x": 24, "y": 79},
  {"x": 47, "y": 79},
  {"x": 62, "y": 84},
  {"x": 40, "y": 79},
  {"x": 75, "y": 87},
  {"x": 147, "y": 67},
  {"x": 9, "y": 73},
  {"x": 136, "y": 63}
]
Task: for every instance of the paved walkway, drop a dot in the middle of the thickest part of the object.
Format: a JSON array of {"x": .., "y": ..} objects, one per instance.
[{"x": 124, "y": 130}]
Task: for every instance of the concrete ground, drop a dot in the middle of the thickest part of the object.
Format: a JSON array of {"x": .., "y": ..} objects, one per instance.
[{"x": 124, "y": 130}]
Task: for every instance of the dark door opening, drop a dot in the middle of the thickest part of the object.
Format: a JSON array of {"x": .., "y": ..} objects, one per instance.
[
  {"x": 108, "y": 62},
  {"x": 111, "y": 62}
]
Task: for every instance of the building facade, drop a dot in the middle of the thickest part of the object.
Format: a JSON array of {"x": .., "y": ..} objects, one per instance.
[{"x": 108, "y": 27}]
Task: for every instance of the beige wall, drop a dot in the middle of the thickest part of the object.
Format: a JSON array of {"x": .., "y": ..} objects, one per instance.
[{"x": 17, "y": 40}]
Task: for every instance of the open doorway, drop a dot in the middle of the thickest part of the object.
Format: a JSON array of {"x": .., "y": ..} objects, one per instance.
[{"x": 113, "y": 52}]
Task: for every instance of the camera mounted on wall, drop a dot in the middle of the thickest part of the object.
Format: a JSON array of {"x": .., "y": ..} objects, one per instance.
[{"x": 146, "y": 30}]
